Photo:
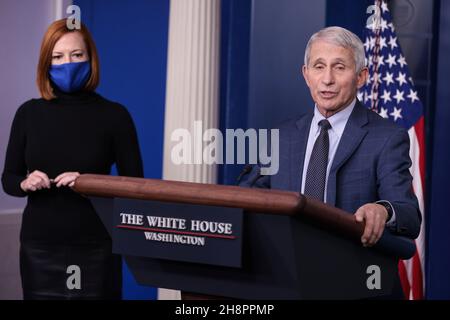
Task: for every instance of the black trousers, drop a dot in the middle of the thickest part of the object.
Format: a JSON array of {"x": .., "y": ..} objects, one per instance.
[{"x": 70, "y": 272}]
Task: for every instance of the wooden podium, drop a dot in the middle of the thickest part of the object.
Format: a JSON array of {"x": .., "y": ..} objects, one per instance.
[{"x": 293, "y": 247}]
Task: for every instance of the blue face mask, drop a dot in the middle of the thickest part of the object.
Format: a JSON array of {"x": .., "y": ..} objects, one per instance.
[{"x": 70, "y": 77}]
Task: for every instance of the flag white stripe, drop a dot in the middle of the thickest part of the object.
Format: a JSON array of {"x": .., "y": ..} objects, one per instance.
[{"x": 414, "y": 153}]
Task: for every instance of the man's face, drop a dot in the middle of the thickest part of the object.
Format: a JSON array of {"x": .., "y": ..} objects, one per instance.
[{"x": 331, "y": 77}]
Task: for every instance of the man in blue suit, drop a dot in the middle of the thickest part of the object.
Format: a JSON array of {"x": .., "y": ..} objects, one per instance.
[{"x": 341, "y": 152}]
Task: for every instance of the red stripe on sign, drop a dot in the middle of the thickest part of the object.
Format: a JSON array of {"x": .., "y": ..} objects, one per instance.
[{"x": 209, "y": 235}]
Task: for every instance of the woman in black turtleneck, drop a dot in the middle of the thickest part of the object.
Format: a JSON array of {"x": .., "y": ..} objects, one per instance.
[{"x": 69, "y": 131}]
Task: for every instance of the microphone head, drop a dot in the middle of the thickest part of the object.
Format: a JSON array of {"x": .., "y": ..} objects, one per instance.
[{"x": 247, "y": 169}]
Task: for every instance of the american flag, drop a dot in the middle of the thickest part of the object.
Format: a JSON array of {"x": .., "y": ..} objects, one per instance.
[{"x": 390, "y": 92}]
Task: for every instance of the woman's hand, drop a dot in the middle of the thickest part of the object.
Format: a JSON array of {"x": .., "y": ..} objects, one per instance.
[
  {"x": 66, "y": 179},
  {"x": 35, "y": 181}
]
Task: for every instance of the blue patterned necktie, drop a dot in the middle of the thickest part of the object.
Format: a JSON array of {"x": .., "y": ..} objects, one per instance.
[{"x": 317, "y": 167}]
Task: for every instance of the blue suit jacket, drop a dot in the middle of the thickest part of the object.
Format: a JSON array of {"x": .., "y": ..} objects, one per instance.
[{"x": 371, "y": 163}]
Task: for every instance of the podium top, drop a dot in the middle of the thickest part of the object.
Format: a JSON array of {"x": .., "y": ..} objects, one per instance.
[{"x": 267, "y": 201}]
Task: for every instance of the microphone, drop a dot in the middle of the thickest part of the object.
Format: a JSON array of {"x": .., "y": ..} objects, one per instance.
[
  {"x": 256, "y": 175},
  {"x": 247, "y": 169}
]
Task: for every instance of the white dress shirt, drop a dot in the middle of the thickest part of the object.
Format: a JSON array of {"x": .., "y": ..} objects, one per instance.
[{"x": 337, "y": 122}]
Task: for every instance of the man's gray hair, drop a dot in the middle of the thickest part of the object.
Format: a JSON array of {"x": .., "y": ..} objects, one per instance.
[{"x": 342, "y": 38}]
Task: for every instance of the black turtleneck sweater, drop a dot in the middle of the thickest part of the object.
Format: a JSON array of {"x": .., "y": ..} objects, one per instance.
[{"x": 75, "y": 132}]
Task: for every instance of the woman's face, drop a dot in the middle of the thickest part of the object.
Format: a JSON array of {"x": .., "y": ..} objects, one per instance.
[{"x": 70, "y": 48}]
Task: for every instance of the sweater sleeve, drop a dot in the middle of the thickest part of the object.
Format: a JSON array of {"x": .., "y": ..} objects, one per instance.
[
  {"x": 15, "y": 169},
  {"x": 126, "y": 146}
]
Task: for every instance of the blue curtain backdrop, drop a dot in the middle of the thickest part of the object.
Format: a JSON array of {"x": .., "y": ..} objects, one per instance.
[{"x": 438, "y": 263}]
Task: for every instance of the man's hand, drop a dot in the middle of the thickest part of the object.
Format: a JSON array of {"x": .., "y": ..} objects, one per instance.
[{"x": 375, "y": 216}]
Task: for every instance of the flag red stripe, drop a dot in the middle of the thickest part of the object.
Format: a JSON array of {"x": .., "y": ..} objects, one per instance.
[
  {"x": 404, "y": 279},
  {"x": 419, "y": 127},
  {"x": 417, "y": 272},
  {"x": 417, "y": 289}
]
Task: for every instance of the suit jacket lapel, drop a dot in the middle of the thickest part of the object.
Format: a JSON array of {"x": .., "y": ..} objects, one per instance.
[
  {"x": 297, "y": 150},
  {"x": 350, "y": 140}
]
